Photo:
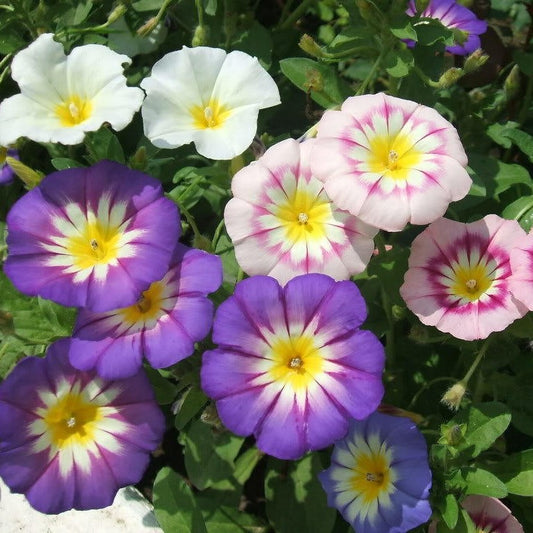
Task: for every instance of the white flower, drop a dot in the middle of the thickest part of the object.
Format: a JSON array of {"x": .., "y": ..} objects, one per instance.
[
  {"x": 206, "y": 96},
  {"x": 62, "y": 97}
]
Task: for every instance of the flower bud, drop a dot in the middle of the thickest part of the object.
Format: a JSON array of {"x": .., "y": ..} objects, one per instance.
[
  {"x": 139, "y": 161},
  {"x": 310, "y": 46},
  {"x": 511, "y": 85},
  {"x": 30, "y": 177},
  {"x": 454, "y": 395},
  {"x": 450, "y": 77},
  {"x": 6, "y": 323},
  {"x": 201, "y": 36},
  {"x": 452, "y": 433},
  {"x": 117, "y": 13},
  {"x": 475, "y": 60},
  {"x": 148, "y": 27}
]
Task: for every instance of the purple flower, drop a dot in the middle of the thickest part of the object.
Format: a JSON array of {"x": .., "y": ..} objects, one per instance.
[
  {"x": 379, "y": 478},
  {"x": 163, "y": 325},
  {"x": 6, "y": 172},
  {"x": 91, "y": 237},
  {"x": 292, "y": 366},
  {"x": 69, "y": 439},
  {"x": 455, "y": 17}
]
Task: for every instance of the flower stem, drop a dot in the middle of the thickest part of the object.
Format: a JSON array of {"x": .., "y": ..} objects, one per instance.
[
  {"x": 426, "y": 386},
  {"x": 371, "y": 75},
  {"x": 191, "y": 222},
  {"x": 295, "y": 15},
  {"x": 200, "y": 11},
  {"x": 216, "y": 235},
  {"x": 477, "y": 360}
]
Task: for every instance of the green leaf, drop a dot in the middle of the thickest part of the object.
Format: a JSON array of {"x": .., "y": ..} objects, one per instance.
[
  {"x": 209, "y": 456},
  {"x": 485, "y": 422},
  {"x": 103, "y": 144},
  {"x": 521, "y": 210},
  {"x": 296, "y": 500},
  {"x": 450, "y": 513},
  {"x": 245, "y": 464},
  {"x": 165, "y": 391},
  {"x": 398, "y": 63},
  {"x": 464, "y": 524},
  {"x": 256, "y": 41},
  {"x": 525, "y": 62},
  {"x": 60, "y": 163},
  {"x": 192, "y": 402},
  {"x": 403, "y": 29},
  {"x": 516, "y": 471},
  {"x": 480, "y": 481},
  {"x": 175, "y": 507},
  {"x": 319, "y": 80},
  {"x": 10, "y": 41},
  {"x": 430, "y": 31},
  {"x": 210, "y": 7},
  {"x": 223, "y": 519}
]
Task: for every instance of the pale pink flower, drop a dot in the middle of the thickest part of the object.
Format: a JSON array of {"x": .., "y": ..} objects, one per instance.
[
  {"x": 459, "y": 276},
  {"x": 522, "y": 267},
  {"x": 390, "y": 161},
  {"x": 283, "y": 224}
]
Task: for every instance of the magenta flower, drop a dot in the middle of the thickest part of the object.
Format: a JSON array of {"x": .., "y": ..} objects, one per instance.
[
  {"x": 489, "y": 515},
  {"x": 162, "y": 326},
  {"x": 69, "y": 439},
  {"x": 91, "y": 237},
  {"x": 522, "y": 268},
  {"x": 389, "y": 161},
  {"x": 455, "y": 17},
  {"x": 292, "y": 366},
  {"x": 459, "y": 277},
  {"x": 379, "y": 478},
  {"x": 6, "y": 172},
  {"x": 283, "y": 224}
]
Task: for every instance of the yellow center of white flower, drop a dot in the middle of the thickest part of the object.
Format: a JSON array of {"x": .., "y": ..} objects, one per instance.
[
  {"x": 96, "y": 244},
  {"x": 394, "y": 156},
  {"x": 72, "y": 420},
  {"x": 147, "y": 307},
  {"x": 371, "y": 475},
  {"x": 304, "y": 216},
  {"x": 213, "y": 115},
  {"x": 296, "y": 361},
  {"x": 73, "y": 111},
  {"x": 471, "y": 282}
]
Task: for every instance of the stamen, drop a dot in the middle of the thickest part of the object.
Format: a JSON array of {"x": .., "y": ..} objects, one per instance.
[
  {"x": 73, "y": 110},
  {"x": 70, "y": 422},
  {"x": 303, "y": 218},
  {"x": 393, "y": 159},
  {"x": 375, "y": 477},
  {"x": 295, "y": 362},
  {"x": 143, "y": 304},
  {"x": 208, "y": 114},
  {"x": 471, "y": 284},
  {"x": 94, "y": 244}
]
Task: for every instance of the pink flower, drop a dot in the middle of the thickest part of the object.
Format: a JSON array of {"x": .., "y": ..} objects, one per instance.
[
  {"x": 283, "y": 224},
  {"x": 459, "y": 277},
  {"x": 489, "y": 515},
  {"x": 522, "y": 267},
  {"x": 390, "y": 161}
]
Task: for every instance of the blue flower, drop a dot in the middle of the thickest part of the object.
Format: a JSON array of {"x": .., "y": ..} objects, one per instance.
[{"x": 379, "y": 478}]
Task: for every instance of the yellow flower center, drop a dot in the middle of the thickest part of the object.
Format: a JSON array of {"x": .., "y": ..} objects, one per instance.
[
  {"x": 393, "y": 156},
  {"x": 296, "y": 361},
  {"x": 96, "y": 244},
  {"x": 371, "y": 475},
  {"x": 471, "y": 282},
  {"x": 72, "y": 420},
  {"x": 304, "y": 216},
  {"x": 211, "y": 116},
  {"x": 147, "y": 307},
  {"x": 73, "y": 111}
]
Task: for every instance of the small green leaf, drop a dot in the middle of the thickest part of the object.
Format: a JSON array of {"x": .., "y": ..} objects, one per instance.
[
  {"x": 485, "y": 422},
  {"x": 450, "y": 513},
  {"x": 245, "y": 464},
  {"x": 430, "y": 31},
  {"x": 319, "y": 80},
  {"x": 103, "y": 144},
  {"x": 516, "y": 471},
  {"x": 60, "y": 163},
  {"x": 165, "y": 391},
  {"x": 210, "y": 7},
  {"x": 480, "y": 481},
  {"x": 193, "y": 400},
  {"x": 398, "y": 63},
  {"x": 464, "y": 524},
  {"x": 521, "y": 210},
  {"x": 175, "y": 507}
]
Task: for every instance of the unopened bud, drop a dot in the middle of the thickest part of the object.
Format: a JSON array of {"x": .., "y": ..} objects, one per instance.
[
  {"x": 30, "y": 177},
  {"x": 148, "y": 27},
  {"x": 201, "y": 36},
  {"x": 511, "y": 85},
  {"x": 475, "y": 60},
  {"x": 139, "y": 161},
  {"x": 419, "y": 334},
  {"x": 452, "y": 433},
  {"x": 450, "y": 77},
  {"x": 117, "y": 13},
  {"x": 398, "y": 312},
  {"x": 310, "y": 46},
  {"x": 454, "y": 395},
  {"x": 365, "y": 9}
]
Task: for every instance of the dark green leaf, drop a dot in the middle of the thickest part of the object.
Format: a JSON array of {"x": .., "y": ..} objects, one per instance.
[
  {"x": 174, "y": 504},
  {"x": 165, "y": 391},
  {"x": 193, "y": 400},
  {"x": 480, "y": 481},
  {"x": 516, "y": 471},
  {"x": 450, "y": 513},
  {"x": 60, "y": 163},
  {"x": 103, "y": 144}
]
